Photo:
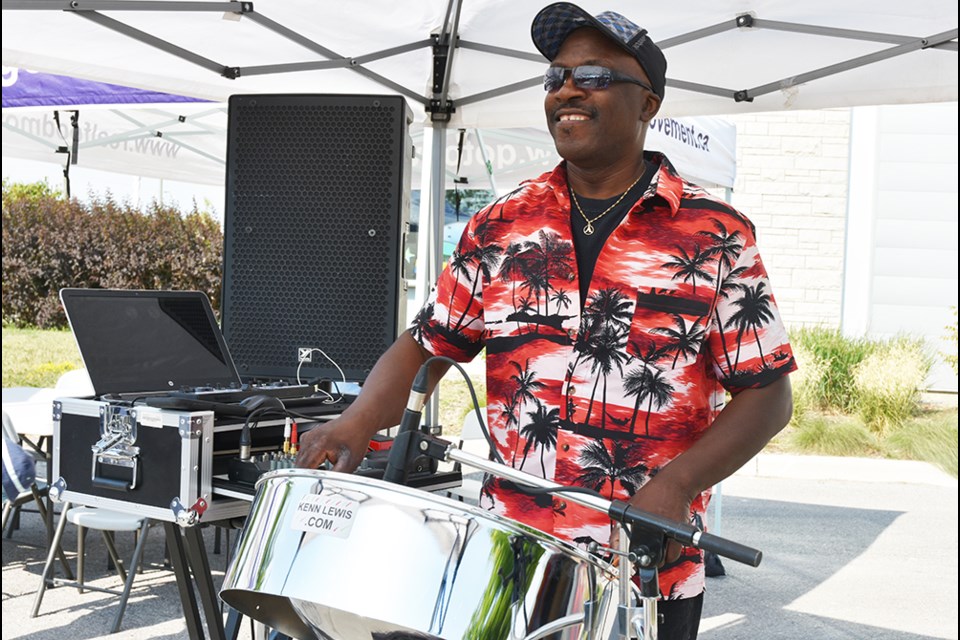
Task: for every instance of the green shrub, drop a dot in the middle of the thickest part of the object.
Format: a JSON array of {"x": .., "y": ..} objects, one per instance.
[
  {"x": 832, "y": 435},
  {"x": 888, "y": 383},
  {"x": 836, "y": 358},
  {"x": 15, "y": 191},
  {"x": 805, "y": 382},
  {"x": 50, "y": 243},
  {"x": 931, "y": 437},
  {"x": 950, "y": 356}
]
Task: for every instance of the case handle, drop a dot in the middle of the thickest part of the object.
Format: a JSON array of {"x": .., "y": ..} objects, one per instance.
[{"x": 116, "y": 484}]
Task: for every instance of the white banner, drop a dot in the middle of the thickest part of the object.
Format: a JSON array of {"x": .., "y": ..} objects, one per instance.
[
  {"x": 702, "y": 149},
  {"x": 185, "y": 142},
  {"x": 191, "y": 145}
]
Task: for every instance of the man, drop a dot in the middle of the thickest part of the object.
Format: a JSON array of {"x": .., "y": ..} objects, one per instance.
[{"x": 616, "y": 303}]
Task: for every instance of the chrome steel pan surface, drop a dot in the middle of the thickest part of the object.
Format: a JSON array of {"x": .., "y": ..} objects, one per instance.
[{"x": 328, "y": 555}]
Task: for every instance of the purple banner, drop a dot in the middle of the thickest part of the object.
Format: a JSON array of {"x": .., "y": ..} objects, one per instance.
[{"x": 23, "y": 88}]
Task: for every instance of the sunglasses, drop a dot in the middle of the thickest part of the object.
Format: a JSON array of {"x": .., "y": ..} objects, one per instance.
[{"x": 587, "y": 77}]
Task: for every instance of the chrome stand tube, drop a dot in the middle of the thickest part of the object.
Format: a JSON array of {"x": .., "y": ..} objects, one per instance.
[{"x": 596, "y": 503}]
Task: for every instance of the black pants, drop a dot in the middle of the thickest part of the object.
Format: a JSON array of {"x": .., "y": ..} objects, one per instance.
[{"x": 679, "y": 619}]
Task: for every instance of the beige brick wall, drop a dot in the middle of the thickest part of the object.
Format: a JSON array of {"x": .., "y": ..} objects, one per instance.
[{"x": 792, "y": 183}]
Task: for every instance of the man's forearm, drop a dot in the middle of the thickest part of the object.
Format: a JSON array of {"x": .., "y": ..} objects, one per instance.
[
  {"x": 344, "y": 441},
  {"x": 385, "y": 391},
  {"x": 741, "y": 430}
]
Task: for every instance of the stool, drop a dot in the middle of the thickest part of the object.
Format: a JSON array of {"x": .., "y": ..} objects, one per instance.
[{"x": 106, "y": 522}]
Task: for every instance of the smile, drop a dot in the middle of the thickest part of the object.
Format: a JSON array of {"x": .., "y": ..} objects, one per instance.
[{"x": 573, "y": 117}]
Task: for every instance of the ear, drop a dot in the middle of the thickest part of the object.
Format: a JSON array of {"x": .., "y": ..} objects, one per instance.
[{"x": 651, "y": 105}]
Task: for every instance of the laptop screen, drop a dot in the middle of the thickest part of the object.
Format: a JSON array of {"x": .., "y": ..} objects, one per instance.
[{"x": 148, "y": 341}]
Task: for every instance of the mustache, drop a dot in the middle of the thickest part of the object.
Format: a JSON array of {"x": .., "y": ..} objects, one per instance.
[{"x": 577, "y": 105}]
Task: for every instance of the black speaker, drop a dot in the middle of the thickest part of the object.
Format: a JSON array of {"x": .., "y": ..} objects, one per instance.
[{"x": 317, "y": 205}]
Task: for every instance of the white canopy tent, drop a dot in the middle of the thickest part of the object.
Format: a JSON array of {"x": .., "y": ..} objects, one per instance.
[
  {"x": 476, "y": 55},
  {"x": 471, "y": 63}
]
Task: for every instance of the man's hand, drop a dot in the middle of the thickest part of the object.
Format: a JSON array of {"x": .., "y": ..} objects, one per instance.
[
  {"x": 744, "y": 426},
  {"x": 337, "y": 442},
  {"x": 663, "y": 499}
]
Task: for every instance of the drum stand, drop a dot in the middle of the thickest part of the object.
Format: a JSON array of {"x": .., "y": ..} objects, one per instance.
[
  {"x": 638, "y": 622},
  {"x": 643, "y": 535}
]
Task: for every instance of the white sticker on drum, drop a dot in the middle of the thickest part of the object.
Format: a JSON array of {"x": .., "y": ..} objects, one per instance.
[{"x": 332, "y": 515}]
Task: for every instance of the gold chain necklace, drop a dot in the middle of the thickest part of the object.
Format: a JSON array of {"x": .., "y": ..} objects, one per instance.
[{"x": 588, "y": 229}]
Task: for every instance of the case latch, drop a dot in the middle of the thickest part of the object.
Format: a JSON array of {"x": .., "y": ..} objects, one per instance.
[{"x": 115, "y": 458}]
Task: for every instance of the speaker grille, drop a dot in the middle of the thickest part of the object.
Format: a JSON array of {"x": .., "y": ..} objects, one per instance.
[{"x": 317, "y": 202}]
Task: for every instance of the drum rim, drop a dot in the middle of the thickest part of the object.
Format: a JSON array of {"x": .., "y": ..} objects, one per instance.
[{"x": 337, "y": 477}]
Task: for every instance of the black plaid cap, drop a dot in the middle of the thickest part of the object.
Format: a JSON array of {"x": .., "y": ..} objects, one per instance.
[{"x": 557, "y": 21}]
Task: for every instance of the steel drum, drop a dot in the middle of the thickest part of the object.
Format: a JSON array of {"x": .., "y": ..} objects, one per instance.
[{"x": 329, "y": 555}]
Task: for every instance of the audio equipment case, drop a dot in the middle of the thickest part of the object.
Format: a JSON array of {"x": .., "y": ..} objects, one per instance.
[
  {"x": 148, "y": 461},
  {"x": 170, "y": 465}
]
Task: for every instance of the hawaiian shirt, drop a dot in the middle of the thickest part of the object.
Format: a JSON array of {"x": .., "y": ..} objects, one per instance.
[{"x": 605, "y": 394}]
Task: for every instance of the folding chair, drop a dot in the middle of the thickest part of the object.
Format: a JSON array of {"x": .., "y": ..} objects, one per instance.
[
  {"x": 106, "y": 522},
  {"x": 11, "y": 506}
]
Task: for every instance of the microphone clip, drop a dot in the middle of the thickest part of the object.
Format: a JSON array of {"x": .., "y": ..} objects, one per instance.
[{"x": 408, "y": 452}]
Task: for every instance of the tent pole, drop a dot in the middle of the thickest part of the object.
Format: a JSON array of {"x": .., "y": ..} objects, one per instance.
[
  {"x": 430, "y": 227},
  {"x": 440, "y": 109},
  {"x": 437, "y": 197},
  {"x": 425, "y": 262},
  {"x": 438, "y": 207}
]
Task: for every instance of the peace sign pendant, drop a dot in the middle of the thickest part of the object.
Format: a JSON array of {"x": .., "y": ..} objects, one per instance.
[{"x": 588, "y": 230}]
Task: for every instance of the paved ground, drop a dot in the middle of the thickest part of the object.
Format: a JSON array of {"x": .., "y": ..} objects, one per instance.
[
  {"x": 153, "y": 610},
  {"x": 842, "y": 559},
  {"x": 852, "y": 549}
]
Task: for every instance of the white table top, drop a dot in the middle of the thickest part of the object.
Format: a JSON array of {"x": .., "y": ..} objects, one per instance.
[{"x": 30, "y": 409}]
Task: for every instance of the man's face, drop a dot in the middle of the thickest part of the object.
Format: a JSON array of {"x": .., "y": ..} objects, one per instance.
[{"x": 598, "y": 128}]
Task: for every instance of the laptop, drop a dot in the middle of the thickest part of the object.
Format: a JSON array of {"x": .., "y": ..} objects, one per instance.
[{"x": 142, "y": 344}]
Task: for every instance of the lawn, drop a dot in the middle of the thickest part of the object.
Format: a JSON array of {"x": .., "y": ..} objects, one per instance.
[{"x": 36, "y": 358}]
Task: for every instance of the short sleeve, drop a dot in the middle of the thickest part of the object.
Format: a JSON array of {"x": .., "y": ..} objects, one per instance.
[
  {"x": 451, "y": 321},
  {"x": 747, "y": 336}
]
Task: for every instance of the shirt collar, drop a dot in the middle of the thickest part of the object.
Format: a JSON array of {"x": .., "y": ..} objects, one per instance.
[{"x": 666, "y": 182}]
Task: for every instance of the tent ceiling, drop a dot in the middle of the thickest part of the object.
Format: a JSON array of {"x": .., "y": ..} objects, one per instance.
[{"x": 784, "y": 55}]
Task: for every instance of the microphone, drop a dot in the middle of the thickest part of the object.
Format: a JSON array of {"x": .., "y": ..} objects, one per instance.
[
  {"x": 245, "y": 442},
  {"x": 398, "y": 461}
]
